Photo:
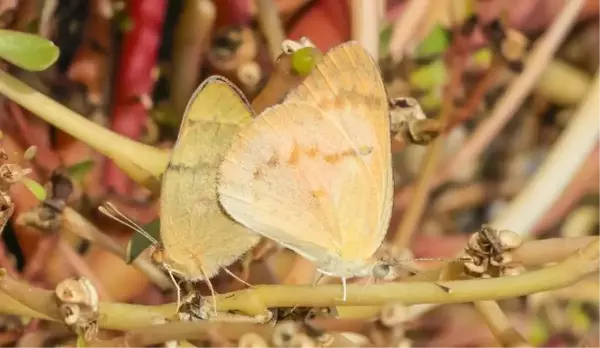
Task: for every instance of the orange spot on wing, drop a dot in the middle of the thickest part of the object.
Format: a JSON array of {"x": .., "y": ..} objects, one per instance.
[
  {"x": 295, "y": 155},
  {"x": 336, "y": 157},
  {"x": 318, "y": 194}
]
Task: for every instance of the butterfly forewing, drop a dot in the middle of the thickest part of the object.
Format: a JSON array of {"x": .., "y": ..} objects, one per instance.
[
  {"x": 347, "y": 78},
  {"x": 314, "y": 173}
]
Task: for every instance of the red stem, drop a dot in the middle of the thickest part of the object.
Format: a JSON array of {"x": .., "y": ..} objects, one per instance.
[{"x": 134, "y": 79}]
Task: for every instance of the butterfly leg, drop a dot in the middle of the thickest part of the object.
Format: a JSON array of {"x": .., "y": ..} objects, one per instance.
[
  {"x": 318, "y": 277},
  {"x": 178, "y": 290},
  {"x": 344, "y": 289}
]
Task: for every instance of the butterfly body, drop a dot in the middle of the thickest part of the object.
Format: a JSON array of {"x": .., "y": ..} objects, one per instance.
[{"x": 314, "y": 172}]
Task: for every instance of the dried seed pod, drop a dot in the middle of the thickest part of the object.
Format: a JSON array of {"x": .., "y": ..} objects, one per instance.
[
  {"x": 251, "y": 340},
  {"x": 70, "y": 312},
  {"x": 509, "y": 240},
  {"x": 249, "y": 74},
  {"x": 476, "y": 266},
  {"x": 513, "y": 270},
  {"x": 284, "y": 333},
  {"x": 78, "y": 290},
  {"x": 473, "y": 245},
  {"x": 393, "y": 314},
  {"x": 301, "y": 340},
  {"x": 11, "y": 173},
  {"x": 408, "y": 122}
]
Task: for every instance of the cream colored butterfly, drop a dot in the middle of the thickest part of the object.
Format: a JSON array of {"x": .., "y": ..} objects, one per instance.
[
  {"x": 314, "y": 173},
  {"x": 198, "y": 240}
]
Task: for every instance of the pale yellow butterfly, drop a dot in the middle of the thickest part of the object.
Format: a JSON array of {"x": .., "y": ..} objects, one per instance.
[
  {"x": 198, "y": 239},
  {"x": 314, "y": 173}
]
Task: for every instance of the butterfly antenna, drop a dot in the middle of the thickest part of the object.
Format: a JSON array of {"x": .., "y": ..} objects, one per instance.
[
  {"x": 213, "y": 293},
  {"x": 112, "y": 212},
  {"x": 236, "y": 277}
]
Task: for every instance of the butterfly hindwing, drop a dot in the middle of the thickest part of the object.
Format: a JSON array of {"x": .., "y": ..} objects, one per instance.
[{"x": 194, "y": 230}]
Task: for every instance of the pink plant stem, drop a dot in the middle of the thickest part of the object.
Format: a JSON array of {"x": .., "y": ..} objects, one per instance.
[{"x": 134, "y": 79}]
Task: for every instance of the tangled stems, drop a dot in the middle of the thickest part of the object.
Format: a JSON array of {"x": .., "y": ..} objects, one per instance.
[{"x": 20, "y": 298}]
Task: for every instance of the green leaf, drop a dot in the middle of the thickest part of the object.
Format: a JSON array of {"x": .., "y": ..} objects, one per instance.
[
  {"x": 138, "y": 243},
  {"x": 79, "y": 170},
  {"x": 38, "y": 190},
  {"x": 435, "y": 43},
  {"x": 27, "y": 51},
  {"x": 429, "y": 76}
]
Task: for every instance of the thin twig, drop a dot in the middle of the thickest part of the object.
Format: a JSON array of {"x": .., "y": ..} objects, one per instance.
[
  {"x": 271, "y": 26},
  {"x": 578, "y": 187},
  {"x": 192, "y": 34},
  {"x": 365, "y": 25},
  {"x": 499, "y": 325}
]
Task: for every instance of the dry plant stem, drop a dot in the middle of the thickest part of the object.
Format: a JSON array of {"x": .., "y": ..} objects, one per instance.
[
  {"x": 82, "y": 269},
  {"x": 44, "y": 250},
  {"x": 530, "y": 254},
  {"x": 158, "y": 334},
  {"x": 365, "y": 25},
  {"x": 406, "y": 26},
  {"x": 539, "y": 252},
  {"x": 191, "y": 38},
  {"x": 256, "y": 300},
  {"x": 271, "y": 26},
  {"x": 78, "y": 225},
  {"x": 498, "y": 323},
  {"x": 26, "y": 300},
  {"x": 506, "y": 106},
  {"x": 577, "y": 188},
  {"x": 143, "y": 163}
]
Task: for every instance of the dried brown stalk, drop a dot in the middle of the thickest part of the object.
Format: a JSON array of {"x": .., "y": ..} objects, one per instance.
[
  {"x": 194, "y": 26},
  {"x": 271, "y": 26}
]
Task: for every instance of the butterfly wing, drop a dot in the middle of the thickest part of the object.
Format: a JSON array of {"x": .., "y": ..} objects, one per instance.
[
  {"x": 194, "y": 230},
  {"x": 314, "y": 173}
]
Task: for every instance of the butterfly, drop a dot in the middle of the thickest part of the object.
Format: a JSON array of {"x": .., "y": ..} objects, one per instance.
[
  {"x": 314, "y": 173},
  {"x": 197, "y": 238}
]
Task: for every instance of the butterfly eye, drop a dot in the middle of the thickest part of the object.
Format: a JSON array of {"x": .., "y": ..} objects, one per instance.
[{"x": 381, "y": 270}]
